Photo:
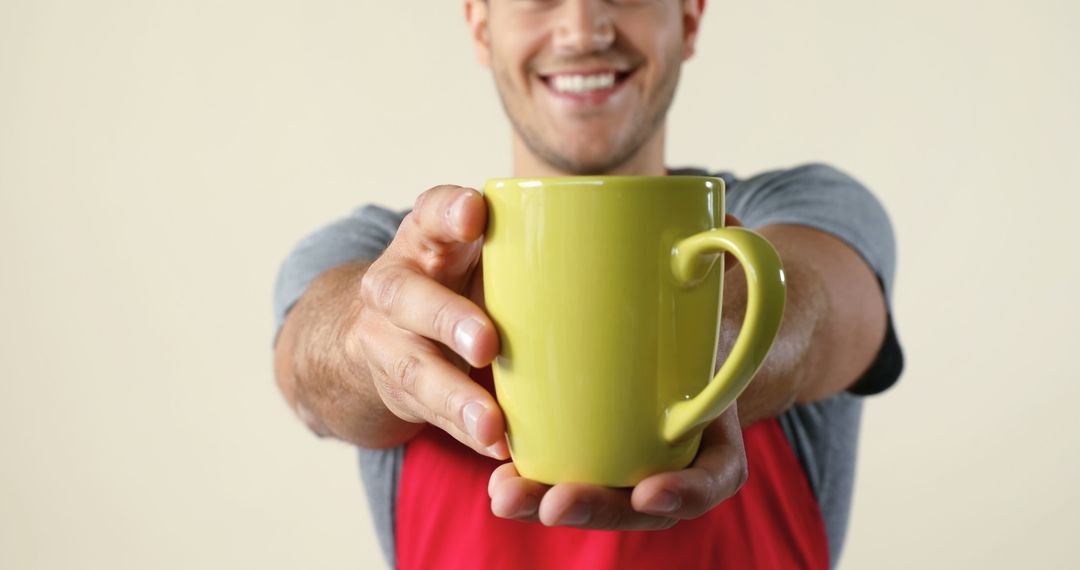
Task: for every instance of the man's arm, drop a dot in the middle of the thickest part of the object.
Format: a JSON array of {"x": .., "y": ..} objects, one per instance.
[
  {"x": 358, "y": 359},
  {"x": 833, "y": 327},
  {"x": 834, "y": 322},
  {"x": 333, "y": 394},
  {"x": 365, "y": 353}
]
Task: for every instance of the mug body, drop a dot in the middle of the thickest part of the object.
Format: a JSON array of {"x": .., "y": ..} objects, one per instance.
[{"x": 598, "y": 339}]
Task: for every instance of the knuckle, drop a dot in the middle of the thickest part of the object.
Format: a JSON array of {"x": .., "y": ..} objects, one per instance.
[
  {"x": 381, "y": 288},
  {"x": 443, "y": 319},
  {"x": 406, "y": 372},
  {"x": 451, "y": 403},
  {"x": 433, "y": 260},
  {"x": 398, "y": 402},
  {"x": 419, "y": 246},
  {"x": 390, "y": 393}
]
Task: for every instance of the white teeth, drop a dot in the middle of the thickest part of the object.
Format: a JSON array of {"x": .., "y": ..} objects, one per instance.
[{"x": 582, "y": 83}]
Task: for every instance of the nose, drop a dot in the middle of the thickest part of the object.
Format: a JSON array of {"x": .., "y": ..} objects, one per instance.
[{"x": 584, "y": 26}]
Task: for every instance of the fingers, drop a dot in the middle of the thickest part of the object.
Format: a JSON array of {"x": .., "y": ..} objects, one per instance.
[
  {"x": 441, "y": 233},
  {"x": 450, "y": 213},
  {"x": 715, "y": 475},
  {"x": 567, "y": 504},
  {"x": 656, "y": 503},
  {"x": 514, "y": 497},
  {"x": 418, "y": 384},
  {"x": 592, "y": 507},
  {"x": 417, "y": 284},
  {"x": 414, "y": 302},
  {"x": 413, "y": 306}
]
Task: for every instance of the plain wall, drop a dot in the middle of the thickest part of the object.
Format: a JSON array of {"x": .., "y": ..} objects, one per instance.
[{"x": 159, "y": 158}]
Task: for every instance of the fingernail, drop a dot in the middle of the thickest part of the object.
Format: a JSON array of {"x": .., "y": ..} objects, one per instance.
[
  {"x": 577, "y": 514},
  {"x": 495, "y": 452},
  {"x": 472, "y": 413},
  {"x": 465, "y": 335},
  {"x": 664, "y": 502}
]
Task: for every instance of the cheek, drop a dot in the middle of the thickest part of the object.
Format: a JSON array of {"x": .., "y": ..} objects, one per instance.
[
  {"x": 657, "y": 39},
  {"x": 516, "y": 45}
]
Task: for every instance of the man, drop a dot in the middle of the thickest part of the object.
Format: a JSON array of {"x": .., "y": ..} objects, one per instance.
[{"x": 382, "y": 342}]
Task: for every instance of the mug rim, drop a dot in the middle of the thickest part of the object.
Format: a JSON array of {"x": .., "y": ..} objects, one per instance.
[{"x": 555, "y": 181}]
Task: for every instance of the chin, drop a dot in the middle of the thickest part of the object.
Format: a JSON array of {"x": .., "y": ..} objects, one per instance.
[
  {"x": 585, "y": 159},
  {"x": 586, "y": 165},
  {"x": 579, "y": 151}
]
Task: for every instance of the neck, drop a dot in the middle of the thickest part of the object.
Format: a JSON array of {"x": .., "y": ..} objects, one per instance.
[{"x": 647, "y": 161}]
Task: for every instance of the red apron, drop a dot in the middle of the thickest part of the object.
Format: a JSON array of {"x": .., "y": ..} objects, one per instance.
[{"x": 444, "y": 518}]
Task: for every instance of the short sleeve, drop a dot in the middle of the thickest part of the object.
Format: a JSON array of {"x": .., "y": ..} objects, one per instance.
[
  {"x": 826, "y": 199},
  {"x": 363, "y": 235}
]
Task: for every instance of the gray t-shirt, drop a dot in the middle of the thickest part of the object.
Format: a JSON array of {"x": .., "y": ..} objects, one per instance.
[{"x": 824, "y": 435}]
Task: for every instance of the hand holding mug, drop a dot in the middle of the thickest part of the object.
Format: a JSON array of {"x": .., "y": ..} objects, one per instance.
[{"x": 421, "y": 312}]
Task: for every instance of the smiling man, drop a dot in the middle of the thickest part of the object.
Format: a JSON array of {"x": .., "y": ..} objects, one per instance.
[
  {"x": 585, "y": 101},
  {"x": 382, "y": 341}
]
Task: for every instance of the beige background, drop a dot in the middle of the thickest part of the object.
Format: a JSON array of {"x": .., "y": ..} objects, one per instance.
[{"x": 158, "y": 159}]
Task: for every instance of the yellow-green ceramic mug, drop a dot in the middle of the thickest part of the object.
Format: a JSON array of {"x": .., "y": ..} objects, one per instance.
[{"x": 606, "y": 295}]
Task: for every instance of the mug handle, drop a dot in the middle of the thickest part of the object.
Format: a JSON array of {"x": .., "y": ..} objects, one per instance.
[{"x": 765, "y": 300}]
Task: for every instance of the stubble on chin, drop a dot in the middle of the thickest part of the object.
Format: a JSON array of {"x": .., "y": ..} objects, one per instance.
[{"x": 566, "y": 157}]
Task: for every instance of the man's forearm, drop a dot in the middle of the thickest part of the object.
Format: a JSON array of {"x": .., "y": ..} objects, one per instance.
[
  {"x": 321, "y": 378},
  {"x": 834, "y": 323}
]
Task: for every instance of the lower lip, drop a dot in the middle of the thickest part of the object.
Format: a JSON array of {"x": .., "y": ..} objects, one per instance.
[{"x": 595, "y": 97}]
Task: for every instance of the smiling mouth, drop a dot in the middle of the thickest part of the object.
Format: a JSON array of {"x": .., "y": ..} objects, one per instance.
[{"x": 593, "y": 86}]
